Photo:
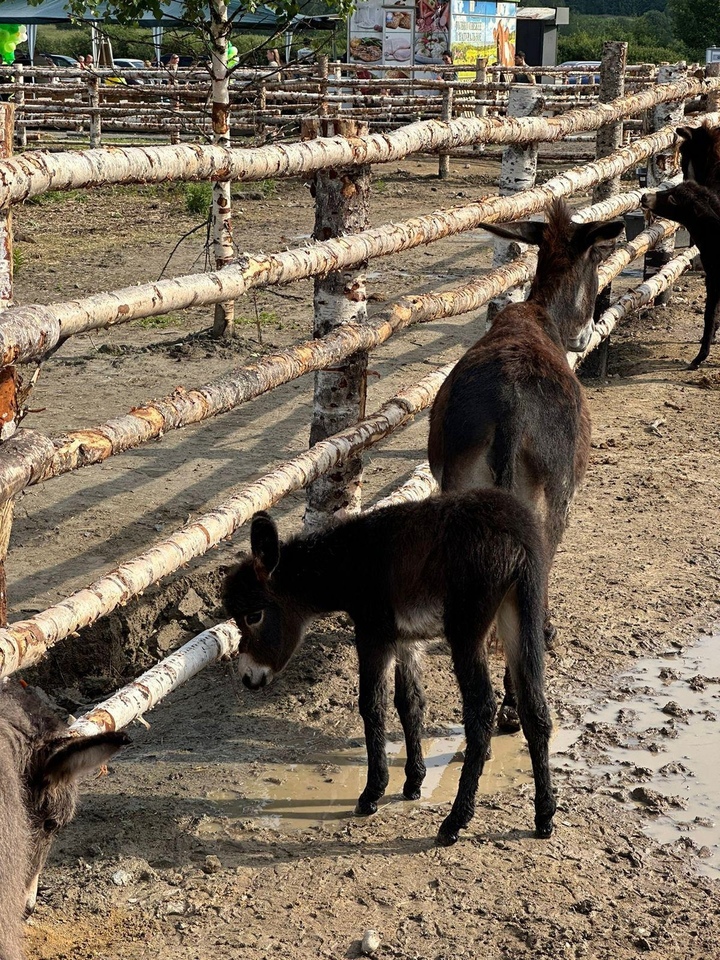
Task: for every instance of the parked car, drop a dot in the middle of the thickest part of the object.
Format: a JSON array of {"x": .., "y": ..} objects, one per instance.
[
  {"x": 592, "y": 66},
  {"x": 130, "y": 63},
  {"x": 60, "y": 60}
]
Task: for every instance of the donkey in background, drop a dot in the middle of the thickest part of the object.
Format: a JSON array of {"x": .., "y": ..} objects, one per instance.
[
  {"x": 697, "y": 208},
  {"x": 39, "y": 769},
  {"x": 700, "y": 154},
  {"x": 512, "y": 413},
  {"x": 403, "y": 573}
]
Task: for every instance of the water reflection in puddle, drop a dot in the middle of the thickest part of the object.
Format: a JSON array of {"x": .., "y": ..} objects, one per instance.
[
  {"x": 325, "y": 789},
  {"x": 662, "y": 736}
]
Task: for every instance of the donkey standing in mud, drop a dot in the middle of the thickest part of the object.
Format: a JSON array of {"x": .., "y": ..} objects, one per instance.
[
  {"x": 39, "y": 769},
  {"x": 512, "y": 413},
  {"x": 404, "y": 573},
  {"x": 697, "y": 208}
]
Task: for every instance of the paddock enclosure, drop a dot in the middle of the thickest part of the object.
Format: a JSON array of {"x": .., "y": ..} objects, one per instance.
[{"x": 113, "y": 568}]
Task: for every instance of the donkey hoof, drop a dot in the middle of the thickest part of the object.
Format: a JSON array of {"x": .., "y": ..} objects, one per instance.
[
  {"x": 695, "y": 364},
  {"x": 550, "y": 632},
  {"x": 447, "y": 835},
  {"x": 365, "y": 807},
  {"x": 544, "y": 828},
  {"x": 411, "y": 791},
  {"x": 508, "y": 719}
]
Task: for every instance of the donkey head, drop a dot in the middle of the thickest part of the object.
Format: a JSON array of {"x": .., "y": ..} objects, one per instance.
[
  {"x": 688, "y": 203},
  {"x": 49, "y": 764},
  {"x": 271, "y": 625},
  {"x": 700, "y": 153},
  {"x": 566, "y": 280}
]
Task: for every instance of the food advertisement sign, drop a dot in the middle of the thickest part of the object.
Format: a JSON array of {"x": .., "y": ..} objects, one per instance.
[
  {"x": 481, "y": 29},
  {"x": 365, "y": 34},
  {"x": 403, "y": 32}
]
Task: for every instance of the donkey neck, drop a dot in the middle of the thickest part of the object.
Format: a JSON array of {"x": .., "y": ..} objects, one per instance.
[
  {"x": 549, "y": 314},
  {"x": 318, "y": 572}
]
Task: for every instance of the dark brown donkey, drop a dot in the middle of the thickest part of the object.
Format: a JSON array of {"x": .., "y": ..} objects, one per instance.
[
  {"x": 700, "y": 154},
  {"x": 405, "y": 573},
  {"x": 39, "y": 769},
  {"x": 512, "y": 413},
  {"x": 697, "y": 208}
]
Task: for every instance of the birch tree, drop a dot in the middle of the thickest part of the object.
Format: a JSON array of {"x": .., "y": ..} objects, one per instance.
[{"x": 212, "y": 20}]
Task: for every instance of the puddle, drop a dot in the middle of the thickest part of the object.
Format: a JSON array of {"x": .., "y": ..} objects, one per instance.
[
  {"x": 662, "y": 736},
  {"x": 324, "y": 790}
]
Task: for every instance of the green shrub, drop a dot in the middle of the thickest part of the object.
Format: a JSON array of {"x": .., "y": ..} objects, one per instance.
[{"x": 198, "y": 197}]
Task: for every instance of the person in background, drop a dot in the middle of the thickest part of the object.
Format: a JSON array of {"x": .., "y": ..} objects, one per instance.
[
  {"x": 447, "y": 59},
  {"x": 89, "y": 62},
  {"x": 81, "y": 62},
  {"x": 520, "y": 62},
  {"x": 273, "y": 58}
]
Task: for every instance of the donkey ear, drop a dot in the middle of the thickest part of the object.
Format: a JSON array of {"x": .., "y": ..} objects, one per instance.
[
  {"x": 685, "y": 133},
  {"x": 526, "y": 231},
  {"x": 600, "y": 235},
  {"x": 264, "y": 543},
  {"x": 76, "y": 757}
]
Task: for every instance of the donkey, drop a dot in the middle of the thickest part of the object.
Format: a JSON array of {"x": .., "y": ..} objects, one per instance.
[
  {"x": 39, "y": 769},
  {"x": 700, "y": 154},
  {"x": 512, "y": 413},
  {"x": 404, "y": 573},
  {"x": 697, "y": 208}
]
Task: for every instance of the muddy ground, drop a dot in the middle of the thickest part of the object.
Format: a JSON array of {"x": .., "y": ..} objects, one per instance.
[{"x": 186, "y": 848}]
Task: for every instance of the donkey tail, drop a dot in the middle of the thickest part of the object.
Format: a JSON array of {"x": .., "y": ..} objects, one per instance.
[{"x": 504, "y": 451}]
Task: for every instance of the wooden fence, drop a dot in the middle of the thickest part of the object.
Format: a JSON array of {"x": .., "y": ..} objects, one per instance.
[
  {"x": 30, "y": 333},
  {"x": 270, "y": 104}
]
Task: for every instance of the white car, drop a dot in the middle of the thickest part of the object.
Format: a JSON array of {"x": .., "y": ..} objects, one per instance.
[{"x": 130, "y": 63}]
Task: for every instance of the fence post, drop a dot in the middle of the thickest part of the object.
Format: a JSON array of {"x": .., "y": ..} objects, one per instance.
[
  {"x": 21, "y": 130},
  {"x": 94, "y": 103},
  {"x": 9, "y": 378},
  {"x": 447, "y": 112},
  {"x": 713, "y": 97},
  {"x": 480, "y": 109},
  {"x": 323, "y": 72},
  {"x": 661, "y": 166},
  {"x": 517, "y": 172},
  {"x": 262, "y": 107},
  {"x": 609, "y": 139},
  {"x": 341, "y": 207}
]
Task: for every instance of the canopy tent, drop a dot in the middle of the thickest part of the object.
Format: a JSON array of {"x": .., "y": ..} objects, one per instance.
[{"x": 260, "y": 20}]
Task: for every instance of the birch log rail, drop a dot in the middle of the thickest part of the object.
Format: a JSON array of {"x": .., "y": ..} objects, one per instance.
[
  {"x": 33, "y": 173},
  {"x": 30, "y": 332}
]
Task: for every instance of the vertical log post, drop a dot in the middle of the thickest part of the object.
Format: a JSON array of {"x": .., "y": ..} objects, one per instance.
[
  {"x": 21, "y": 131},
  {"x": 480, "y": 109},
  {"x": 608, "y": 140},
  {"x": 713, "y": 97},
  {"x": 341, "y": 207},
  {"x": 323, "y": 73},
  {"x": 94, "y": 103},
  {"x": 661, "y": 166},
  {"x": 262, "y": 107},
  {"x": 446, "y": 114},
  {"x": 174, "y": 104},
  {"x": 517, "y": 172},
  {"x": 221, "y": 213},
  {"x": 9, "y": 379}
]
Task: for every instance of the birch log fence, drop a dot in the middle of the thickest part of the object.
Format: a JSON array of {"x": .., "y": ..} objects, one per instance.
[{"x": 31, "y": 333}]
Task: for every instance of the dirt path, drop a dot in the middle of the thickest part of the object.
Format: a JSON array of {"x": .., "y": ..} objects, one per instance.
[{"x": 173, "y": 855}]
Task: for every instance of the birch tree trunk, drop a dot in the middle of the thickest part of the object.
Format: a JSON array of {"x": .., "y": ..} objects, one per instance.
[
  {"x": 224, "y": 321},
  {"x": 663, "y": 165},
  {"x": 341, "y": 208},
  {"x": 608, "y": 140},
  {"x": 518, "y": 170},
  {"x": 9, "y": 378}
]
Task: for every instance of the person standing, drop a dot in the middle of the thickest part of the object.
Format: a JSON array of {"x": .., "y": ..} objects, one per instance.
[{"x": 520, "y": 62}]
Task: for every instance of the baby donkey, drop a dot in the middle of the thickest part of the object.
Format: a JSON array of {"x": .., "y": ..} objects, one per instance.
[
  {"x": 39, "y": 769},
  {"x": 698, "y": 208},
  {"x": 404, "y": 573}
]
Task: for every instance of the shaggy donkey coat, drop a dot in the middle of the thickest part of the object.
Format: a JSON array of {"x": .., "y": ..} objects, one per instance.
[
  {"x": 39, "y": 769},
  {"x": 452, "y": 564}
]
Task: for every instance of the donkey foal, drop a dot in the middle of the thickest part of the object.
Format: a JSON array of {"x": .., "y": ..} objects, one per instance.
[
  {"x": 405, "y": 573},
  {"x": 39, "y": 769},
  {"x": 697, "y": 208}
]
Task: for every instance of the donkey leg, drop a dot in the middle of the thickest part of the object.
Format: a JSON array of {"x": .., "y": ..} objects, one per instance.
[
  {"x": 479, "y": 704},
  {"x": 712, "y": 317},
  {"x": 410, "y": 705},
  {"x": 374, "y": 662},
  {"x": 508, "y": 720},
  {"x": 537, "y": 727}
]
